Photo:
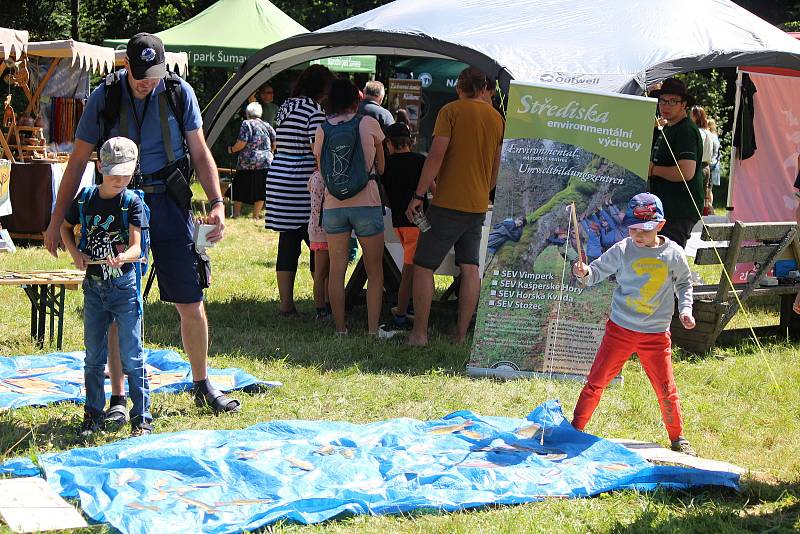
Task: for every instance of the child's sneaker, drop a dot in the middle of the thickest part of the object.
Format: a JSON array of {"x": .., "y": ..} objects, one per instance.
[
  {"x": 90, "y": 426},
  {"x": 141, "y": 429},
  {"x": 682, "y": 445},
  {"x": 382, "y": 333}
]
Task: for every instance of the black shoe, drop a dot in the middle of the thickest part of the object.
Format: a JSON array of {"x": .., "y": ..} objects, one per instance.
[
  {"x": 141, "y": 429},
  {"x": 90, "y": 426},
  {"x": 215, "y": 399},
  {"x": 116, "y": 415}
]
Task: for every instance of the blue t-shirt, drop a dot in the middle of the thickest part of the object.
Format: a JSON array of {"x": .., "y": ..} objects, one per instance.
[
  {"x": 104, "y": 229},
  {"x": 151, "y": 148}
]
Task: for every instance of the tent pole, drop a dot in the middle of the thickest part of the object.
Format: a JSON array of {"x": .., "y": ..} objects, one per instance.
[{"x": 732, "y": 162}]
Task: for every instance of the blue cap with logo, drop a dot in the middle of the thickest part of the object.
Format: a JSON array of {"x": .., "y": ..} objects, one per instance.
[
  {"x": 644, "y": 211},
  {"x": 146, "y": 56}
]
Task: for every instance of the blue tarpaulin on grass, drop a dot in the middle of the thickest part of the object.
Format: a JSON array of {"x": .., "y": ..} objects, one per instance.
[
  {"x": 58, "y": 377},
  {"x": 310, "y": 471}
]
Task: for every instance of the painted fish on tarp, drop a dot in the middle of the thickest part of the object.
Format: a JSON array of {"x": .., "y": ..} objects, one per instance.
[
  {"x": 39, "y": 380},
  {"x": 311, "y": 471}
]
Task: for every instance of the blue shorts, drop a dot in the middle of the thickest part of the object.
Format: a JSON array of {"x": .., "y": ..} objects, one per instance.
[
  {"x": 366, "y": 221},
  {"x": 175, "y": 260}
]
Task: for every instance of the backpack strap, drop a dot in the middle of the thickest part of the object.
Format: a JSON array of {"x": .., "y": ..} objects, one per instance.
[
  {"x": 176, "y": 99},
  {"x": 112, "y": 100},
  {"x": 125, "y": 204},
  {"x": 83, "y": 201},
  {"x": 165, "y": 133}
]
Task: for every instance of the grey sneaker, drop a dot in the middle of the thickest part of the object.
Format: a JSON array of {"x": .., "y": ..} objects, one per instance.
[{"x": 682, "y": 445}]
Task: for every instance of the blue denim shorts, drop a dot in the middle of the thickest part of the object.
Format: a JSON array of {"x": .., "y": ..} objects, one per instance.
[
  {"x": 175, "y": 260},
  {"x": 366, "y": 221}
]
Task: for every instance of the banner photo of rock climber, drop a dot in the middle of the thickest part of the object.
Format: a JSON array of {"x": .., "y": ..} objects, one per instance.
[{"x": 571, "y": 161}]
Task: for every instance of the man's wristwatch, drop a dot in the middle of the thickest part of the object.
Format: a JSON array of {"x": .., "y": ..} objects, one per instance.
[
  {"x": 214, "y": 201},
  {"x": 419, "y": 197}
]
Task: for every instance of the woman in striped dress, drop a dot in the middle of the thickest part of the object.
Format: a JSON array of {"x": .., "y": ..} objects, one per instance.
[{"x": 288, "y": 201}]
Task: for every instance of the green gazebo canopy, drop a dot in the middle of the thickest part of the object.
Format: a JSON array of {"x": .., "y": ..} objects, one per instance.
[{"x": 227, "y": 33}]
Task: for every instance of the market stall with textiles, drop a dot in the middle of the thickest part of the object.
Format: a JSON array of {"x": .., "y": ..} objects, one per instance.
[{"x": 51, "y": 79}]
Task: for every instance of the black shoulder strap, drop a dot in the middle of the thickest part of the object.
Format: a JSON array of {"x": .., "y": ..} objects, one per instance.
[
  {"x": 176, "y": 98},
  {"x": 112, "y": 99}
]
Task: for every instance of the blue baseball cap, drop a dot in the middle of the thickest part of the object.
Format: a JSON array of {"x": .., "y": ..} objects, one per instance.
[{"x": 644, "y": 211}]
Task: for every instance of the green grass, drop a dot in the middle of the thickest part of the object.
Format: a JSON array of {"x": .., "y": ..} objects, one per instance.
[{"x": 733, "y": 411}]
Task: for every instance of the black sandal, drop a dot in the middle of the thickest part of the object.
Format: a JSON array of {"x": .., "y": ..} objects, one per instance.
[
  {"x": 216, "y": 400},
  {"x": 116, "y": 415}
]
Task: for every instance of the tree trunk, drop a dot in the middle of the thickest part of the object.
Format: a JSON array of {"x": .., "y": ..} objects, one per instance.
[{"x": 74, "y": 7}]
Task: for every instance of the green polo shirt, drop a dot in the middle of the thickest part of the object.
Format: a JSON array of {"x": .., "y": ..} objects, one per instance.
[{"x": 687, "y": 143}]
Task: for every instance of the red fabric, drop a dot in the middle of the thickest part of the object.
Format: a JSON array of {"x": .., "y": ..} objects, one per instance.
[
  {"x": 763, "y": 184},
  {"x": 655, "y": 354}
]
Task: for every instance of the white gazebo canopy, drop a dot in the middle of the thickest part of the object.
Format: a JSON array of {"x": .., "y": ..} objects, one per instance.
[
  {"x": 178, "y": 62},
  {"x": 611, "y": 45},
  {"x": 87, "y": 56},
  {"x": 13, "y": 42}
]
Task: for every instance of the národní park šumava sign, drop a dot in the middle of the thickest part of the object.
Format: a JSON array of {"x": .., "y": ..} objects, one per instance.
[{"x": 561, "y": 148}]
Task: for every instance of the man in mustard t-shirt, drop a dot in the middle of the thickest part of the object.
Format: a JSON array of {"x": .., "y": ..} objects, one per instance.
[{"x": 465, "y": 155}]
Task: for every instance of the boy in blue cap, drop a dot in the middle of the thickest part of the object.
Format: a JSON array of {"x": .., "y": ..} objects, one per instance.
[
  {"x": 650, "y": 269},
  {"x": 110, "y": 291}
]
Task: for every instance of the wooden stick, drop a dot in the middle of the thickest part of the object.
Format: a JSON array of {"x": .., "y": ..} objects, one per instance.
[
  {"x": 105, "y": 262},
  {"x": 577, "y": 234}
]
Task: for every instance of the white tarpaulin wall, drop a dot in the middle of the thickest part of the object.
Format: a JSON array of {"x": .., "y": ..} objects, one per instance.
[
  {"x": 762, "y": 185},
  {"x": 613, "y": 45}
]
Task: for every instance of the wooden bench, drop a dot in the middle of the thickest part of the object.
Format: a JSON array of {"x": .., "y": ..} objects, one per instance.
[{"x": 715, "y": 305}]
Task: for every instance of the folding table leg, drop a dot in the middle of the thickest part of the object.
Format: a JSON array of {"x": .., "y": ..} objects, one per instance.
[
  {"x": 61, "y": 316},
  {"x": 42, "y": 315},
  {"x": 51, "y": 305},
  {"x": 30, "y": 291}
]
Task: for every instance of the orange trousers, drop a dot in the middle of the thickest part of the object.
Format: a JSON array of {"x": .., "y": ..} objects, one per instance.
[{"x": 655, "y": 354}]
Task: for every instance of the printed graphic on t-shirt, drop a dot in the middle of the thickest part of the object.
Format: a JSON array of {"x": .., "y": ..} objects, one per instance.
[
  {"x": 102, "y": 242},
  {"x": 656, "y": 272}
]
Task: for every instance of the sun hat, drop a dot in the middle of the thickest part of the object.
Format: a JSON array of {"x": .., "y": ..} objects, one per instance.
[{"x": 118, "y": 157}]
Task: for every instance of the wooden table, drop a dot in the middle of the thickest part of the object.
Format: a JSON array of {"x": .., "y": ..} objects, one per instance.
[{"x": 40, "y": 287}]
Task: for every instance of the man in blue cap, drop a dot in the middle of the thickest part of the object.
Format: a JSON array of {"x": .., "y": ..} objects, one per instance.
[{"x": 160, "y": 113}]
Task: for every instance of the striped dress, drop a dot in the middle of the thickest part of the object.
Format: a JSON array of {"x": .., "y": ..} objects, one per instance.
[{"x": 288, "y": 201}]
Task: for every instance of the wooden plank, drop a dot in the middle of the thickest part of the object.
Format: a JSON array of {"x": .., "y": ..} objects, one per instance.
[
  {"x": 757, "y": 253},
  {"x": 657, "y": 454},
  {"x": 757, "y": 292},
  {"x": 30, "y": 505},
  {"x": 762, "y": 231},
  {"x": 730, "y": 261}
]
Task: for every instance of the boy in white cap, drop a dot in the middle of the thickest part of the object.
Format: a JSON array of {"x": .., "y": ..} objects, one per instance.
[
  {"x": 111, "y": 218},
  {"x": 650, "y": 270}
]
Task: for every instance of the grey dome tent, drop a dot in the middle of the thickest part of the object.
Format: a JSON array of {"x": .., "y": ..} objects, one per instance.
[{"x": 612, "y": 45}]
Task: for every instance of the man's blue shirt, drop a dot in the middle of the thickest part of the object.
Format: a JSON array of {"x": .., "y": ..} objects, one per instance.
[{"x": 151, "y": 146}]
